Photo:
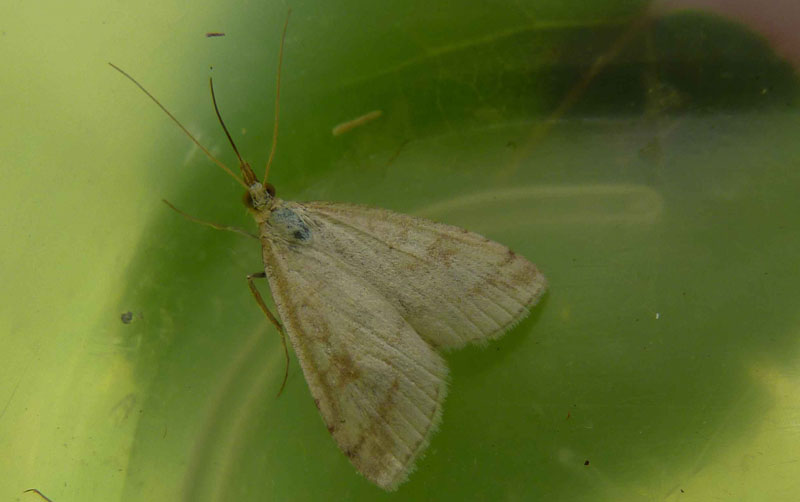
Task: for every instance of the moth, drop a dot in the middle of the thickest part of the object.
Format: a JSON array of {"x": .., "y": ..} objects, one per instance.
[{"x": 369, "y": 298}]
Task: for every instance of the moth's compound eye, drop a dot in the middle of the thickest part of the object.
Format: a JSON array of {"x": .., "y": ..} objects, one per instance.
[
  {"x": 247, "y": 200},
  {"x": 270, "y": 189}
]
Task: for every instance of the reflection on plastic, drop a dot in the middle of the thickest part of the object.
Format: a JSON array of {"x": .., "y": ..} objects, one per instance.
[{"x": 560, "y": 204}]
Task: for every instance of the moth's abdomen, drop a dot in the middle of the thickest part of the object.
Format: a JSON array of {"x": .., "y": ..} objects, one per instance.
[{"x": 286, "y": 223}]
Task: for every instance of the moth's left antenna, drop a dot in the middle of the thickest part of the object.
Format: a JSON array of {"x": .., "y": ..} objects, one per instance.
[
  {"x": 185, "y": 131},
  {"x": 247, "y": 173}
]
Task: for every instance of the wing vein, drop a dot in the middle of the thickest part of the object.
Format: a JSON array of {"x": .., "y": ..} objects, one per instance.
[
  {"x": 359, "y": 231},
  {"x": 376, "y": 415},
  {"x": 337, "y": 220},
  {"x": 413, "y": 383},
  {"x": 375, "y": 336}
]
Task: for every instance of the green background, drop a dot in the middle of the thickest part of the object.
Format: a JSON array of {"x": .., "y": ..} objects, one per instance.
[{"x": 649, "y": 166}]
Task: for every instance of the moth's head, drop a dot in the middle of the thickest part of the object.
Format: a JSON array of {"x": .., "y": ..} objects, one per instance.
[{"x": 259, "y": 197}]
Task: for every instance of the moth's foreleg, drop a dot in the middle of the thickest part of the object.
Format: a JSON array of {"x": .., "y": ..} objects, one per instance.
[{"x": 272, "y": 319}]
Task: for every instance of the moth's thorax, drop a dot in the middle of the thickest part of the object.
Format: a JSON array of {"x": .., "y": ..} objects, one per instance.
[{"x": 285, "y": 221}]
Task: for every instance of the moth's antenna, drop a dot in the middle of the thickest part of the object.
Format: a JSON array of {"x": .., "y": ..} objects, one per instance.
[
  {"x": 249, "y": 176},
  {"x": 277, "y": 98},
  {"x": 196, "y": 142}
]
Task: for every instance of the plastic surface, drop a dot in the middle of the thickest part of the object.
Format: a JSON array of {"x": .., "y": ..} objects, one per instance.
[{"x": 650, "y": 168}]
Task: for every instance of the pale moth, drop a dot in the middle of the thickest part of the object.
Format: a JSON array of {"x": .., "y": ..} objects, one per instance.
[{"x": 368, "y": 299}]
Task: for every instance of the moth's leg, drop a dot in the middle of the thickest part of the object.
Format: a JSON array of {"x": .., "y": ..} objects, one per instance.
[
  {"x": 272, "y": 319},
  {"x": 210, "y": 224}
]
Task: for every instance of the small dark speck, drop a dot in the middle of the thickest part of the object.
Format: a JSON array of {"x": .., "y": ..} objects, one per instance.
[
  {"x": 126, "y": 317},
  {"x": 682, "y": 491},
  {"x": 586, "y": 463},
  {"x": 512, "y": 145},
  {"x": 212, "y": 34},
  {"x": 298, "y": 235}
]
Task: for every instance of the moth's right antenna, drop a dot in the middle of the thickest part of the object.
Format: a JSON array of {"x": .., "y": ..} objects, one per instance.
[
  {"x": 185, "y": 131},
  {"x": 277, "y": 98}
]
